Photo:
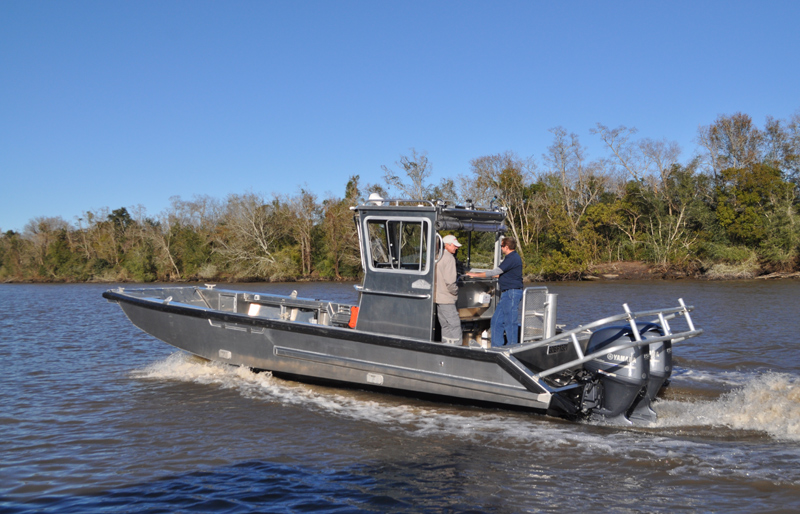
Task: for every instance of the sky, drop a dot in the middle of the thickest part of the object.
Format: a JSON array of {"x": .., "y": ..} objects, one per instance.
[{"x": 123, "y": 104}]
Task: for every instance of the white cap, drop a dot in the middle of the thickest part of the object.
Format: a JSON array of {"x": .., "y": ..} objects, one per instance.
[{"x": 451, "y": 240}]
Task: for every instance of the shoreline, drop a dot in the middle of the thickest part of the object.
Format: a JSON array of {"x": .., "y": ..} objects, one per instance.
[
  {"x": 611, "y": 271},
  {"x": 637, "y": 270}
]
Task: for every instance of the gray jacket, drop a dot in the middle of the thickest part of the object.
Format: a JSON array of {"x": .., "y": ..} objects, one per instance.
[{"x": 446, "y": 288}]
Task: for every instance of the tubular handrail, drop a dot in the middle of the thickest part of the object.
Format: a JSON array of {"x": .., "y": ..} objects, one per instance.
[
  {"x": 387, "y": 202},
  {"x": 628, "y": 316},
  {"x": 362, "y": 289},
  {"x": 662, "y": 315},
  {"x": 617, "y": 347}
]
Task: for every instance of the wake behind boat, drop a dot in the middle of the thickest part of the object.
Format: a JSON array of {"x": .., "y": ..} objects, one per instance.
[{"x": 611, "y": 368}]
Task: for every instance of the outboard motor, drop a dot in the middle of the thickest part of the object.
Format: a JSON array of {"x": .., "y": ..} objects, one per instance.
[
  {"x": 625, "y": 375},
  {"x": 660, "y": 366},
  {"x": 660, "y": 370}
]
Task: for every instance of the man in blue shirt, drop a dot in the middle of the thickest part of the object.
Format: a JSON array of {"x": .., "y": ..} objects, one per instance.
[{"x": 506, "y": 314}]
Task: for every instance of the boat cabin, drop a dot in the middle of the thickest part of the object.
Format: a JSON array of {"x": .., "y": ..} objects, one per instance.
[{"x": 401, "y": 242}]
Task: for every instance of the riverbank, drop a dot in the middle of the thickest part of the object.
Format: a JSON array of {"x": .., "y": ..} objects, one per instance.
[
  {"x": 644, "y": 271},
  {"x": 638, "y": 270},
  {"x": 618, "y": 270}
]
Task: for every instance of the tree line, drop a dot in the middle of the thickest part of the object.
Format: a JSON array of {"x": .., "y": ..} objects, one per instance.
[{"x": 733, "y": 209}]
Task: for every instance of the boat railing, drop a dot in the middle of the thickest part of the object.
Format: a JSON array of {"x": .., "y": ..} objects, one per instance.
[
  {"x": 396, "y": 202},
  {"x": 661, "y": 316},
  {"x": 538, "y": 314},
  {"x": 448, "y": 206}
]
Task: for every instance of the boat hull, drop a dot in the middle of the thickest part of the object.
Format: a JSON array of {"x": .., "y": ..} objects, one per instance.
[{"x": 339, "y": 354}]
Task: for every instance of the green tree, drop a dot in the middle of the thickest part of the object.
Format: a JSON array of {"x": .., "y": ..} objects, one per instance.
[
  {"x": 340, "y": 238},
  {"x": 654, "y": 210},
  {"x": 11, "y": 256},
  {"x": 754, "y": 206},
  {"x": 301, "y": 214}
]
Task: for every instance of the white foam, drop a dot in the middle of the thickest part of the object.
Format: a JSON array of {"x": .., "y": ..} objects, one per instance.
[
  {"x": 414, "y": 418},
  {"x": 769, "y": 403}
]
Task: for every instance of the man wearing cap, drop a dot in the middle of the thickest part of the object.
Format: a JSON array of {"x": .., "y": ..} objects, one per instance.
[{"x": 447, "y": 292}]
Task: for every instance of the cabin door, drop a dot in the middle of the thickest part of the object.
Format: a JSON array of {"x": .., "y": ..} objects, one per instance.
[{"x": 397, "y": 295}]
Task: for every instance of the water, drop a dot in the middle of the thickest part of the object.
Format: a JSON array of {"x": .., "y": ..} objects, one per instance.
[{"x": 96, "y": 416}]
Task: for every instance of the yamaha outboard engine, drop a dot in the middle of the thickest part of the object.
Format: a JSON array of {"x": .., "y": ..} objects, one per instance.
[
  {"x": 625, "y": 375},
  {"x": 660, "y": 366}
]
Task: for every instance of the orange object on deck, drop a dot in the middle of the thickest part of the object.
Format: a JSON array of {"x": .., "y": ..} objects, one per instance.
[{"x": 353, "y": 317}]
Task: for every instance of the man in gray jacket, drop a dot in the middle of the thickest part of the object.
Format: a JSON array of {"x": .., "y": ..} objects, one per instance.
[{"x": 447, "y": 292}]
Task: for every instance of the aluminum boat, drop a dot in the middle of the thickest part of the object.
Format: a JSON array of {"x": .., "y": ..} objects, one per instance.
[{"x": 610, "y": 368}]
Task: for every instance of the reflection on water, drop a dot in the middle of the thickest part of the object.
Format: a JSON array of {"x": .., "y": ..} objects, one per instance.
[{"x": 99, "y": 416}]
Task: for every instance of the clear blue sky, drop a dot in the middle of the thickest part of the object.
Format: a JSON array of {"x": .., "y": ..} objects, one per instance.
[{"x": 119, "y": 103}]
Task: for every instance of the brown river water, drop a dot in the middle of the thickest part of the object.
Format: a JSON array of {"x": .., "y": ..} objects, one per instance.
[{"x": 96, "y": 416}]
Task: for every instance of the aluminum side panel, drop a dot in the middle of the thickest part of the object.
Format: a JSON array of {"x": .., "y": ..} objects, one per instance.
[{"x": 336, "y": 359}]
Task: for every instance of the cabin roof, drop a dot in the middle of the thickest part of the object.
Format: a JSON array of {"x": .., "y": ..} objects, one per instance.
[{"x": 449, "y": 216}]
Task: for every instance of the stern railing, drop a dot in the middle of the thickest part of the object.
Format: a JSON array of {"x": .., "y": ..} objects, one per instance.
[{"x": 661, "y": 316}]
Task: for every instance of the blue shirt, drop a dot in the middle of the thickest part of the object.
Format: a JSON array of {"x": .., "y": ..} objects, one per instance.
[{"x": 512, "y": 272}]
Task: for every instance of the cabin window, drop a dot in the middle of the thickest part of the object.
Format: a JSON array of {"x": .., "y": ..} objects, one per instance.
[{"x": 396, "y": 244}]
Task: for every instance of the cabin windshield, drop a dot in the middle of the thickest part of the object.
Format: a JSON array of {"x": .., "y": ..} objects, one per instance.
[
  {"x": 398, "y": 244},
  {"x": 480, "y": 248}
]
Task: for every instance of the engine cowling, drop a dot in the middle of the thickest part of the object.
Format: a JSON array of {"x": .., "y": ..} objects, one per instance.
[
  {"x": 625, "y": 375},
  {"x": 660, "y": 366}
]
